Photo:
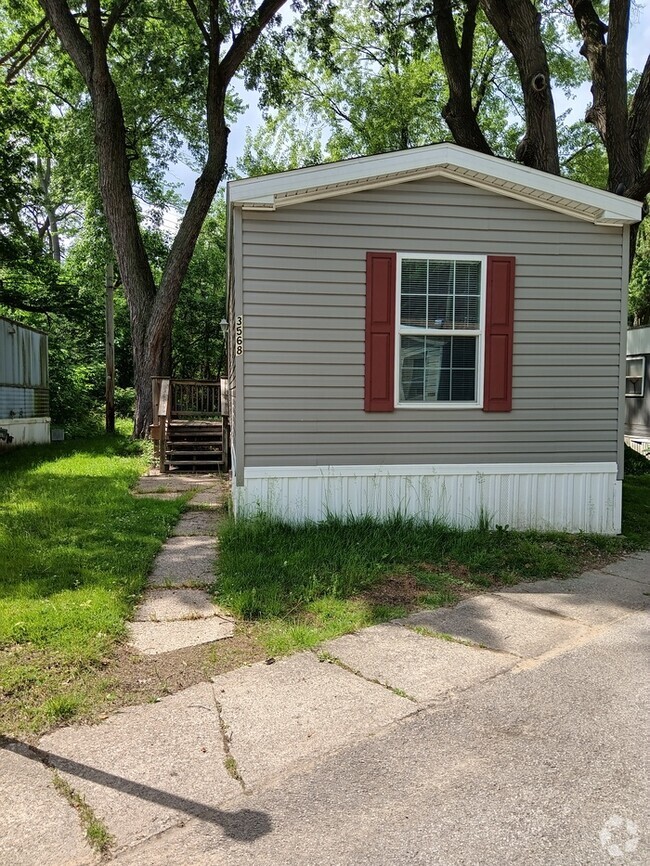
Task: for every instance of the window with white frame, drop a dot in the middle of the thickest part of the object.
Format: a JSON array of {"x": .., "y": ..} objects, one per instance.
[
  {"x": 634, "y": 377},
  {"x": 440, "y": 317}
]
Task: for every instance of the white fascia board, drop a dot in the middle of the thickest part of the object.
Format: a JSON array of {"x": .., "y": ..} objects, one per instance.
[{"x": 331, "y": 179}]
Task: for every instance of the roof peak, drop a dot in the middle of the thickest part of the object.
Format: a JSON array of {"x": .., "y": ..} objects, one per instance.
[{"x": 437, "y": 160}]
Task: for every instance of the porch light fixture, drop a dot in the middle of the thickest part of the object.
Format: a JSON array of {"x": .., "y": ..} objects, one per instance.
[{"x": 223, "y": 324}]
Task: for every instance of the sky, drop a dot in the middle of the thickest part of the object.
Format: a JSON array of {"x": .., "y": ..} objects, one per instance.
[{"x": 638, "y": 43}]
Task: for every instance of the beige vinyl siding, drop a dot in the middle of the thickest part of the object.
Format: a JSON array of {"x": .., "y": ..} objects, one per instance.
[{"x": 303, "y": 270}]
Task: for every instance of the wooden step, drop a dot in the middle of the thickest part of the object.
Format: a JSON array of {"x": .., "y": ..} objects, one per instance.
[
  {"x": 193, "y": 455},
  {"x": 188, "y": 425},
  {"x": 194, "y": 446},
  {"x": 196, "y": 439},
  {"x": 195, "y": 431},
  {"x": 188, "y": 465}
]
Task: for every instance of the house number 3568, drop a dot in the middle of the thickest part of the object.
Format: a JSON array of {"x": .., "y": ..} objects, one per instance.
[{"x": 239, "y": 335}]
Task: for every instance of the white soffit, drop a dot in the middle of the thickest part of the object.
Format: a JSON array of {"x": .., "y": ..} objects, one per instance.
[{"x": 438, "y": 160}]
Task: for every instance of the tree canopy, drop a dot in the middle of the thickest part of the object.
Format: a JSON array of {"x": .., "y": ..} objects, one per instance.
[
  {"x": 146, "y": 79},
  {"x": 387, "y": 74},
  {"x": 100, "y": 97}
]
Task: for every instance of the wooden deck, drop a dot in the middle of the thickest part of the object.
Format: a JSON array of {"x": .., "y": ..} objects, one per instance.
[{"x": 190, "y": 432}]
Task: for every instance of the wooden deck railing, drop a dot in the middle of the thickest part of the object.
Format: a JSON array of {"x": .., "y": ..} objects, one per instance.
[
  {"x": 193, "y": 398},
  {"x": 164, "y": 414}
]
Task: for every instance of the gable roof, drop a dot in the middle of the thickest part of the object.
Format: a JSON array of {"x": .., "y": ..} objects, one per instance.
[{"x": 437, "y": 160}]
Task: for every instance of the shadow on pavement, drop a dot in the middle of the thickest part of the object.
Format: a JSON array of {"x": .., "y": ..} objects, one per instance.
[{"x": 244, "y": 825}]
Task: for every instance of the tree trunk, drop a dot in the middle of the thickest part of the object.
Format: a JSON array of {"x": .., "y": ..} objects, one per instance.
[
  {"x": 151, "y": 309},
  {"x": 126, "y": 239},
  {"x": 517, "y": 22},
  {"x": 44, "y": 174},
  {"x": 459, "y": 112}
]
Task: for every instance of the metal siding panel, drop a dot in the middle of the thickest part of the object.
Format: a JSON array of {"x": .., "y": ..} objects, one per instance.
[
  {"x": 23, "y": 372},
  {"x": 572, "y": 497},
  {"x": 304, "y": 285}
]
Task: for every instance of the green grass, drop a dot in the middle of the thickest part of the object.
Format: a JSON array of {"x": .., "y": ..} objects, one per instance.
[
  {"x": 96, "y": 833},
  {"x": 305, "y": 584},
  {"x": 636, "y": 510},
  {"x": 75, "y": 549}
]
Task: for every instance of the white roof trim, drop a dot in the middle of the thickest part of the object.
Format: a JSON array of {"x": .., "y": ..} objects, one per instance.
[{"x": 437, "y": 160}]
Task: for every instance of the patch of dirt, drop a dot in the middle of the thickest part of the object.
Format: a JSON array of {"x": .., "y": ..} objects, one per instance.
[
  {"x": 396, "y": 590},
  {"x": 124, "y": 678},
  {"x": 140, "y": 678}
]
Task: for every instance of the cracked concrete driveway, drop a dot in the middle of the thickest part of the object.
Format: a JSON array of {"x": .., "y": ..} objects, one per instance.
[{"x": 510, "y": 729}]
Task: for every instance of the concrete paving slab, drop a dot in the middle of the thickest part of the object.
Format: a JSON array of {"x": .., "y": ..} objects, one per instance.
[
  {"x": 170, "y": 605},
  {"x": 155, "y": 638},
  {"x": 37, "y": 826},
  {"x": 210, "y": 497},
  {"x": 540, "y": 769},
  {"x": 501, "y": 625},
  {"x": 149, "y": 767},
  {"x": 593, "y": 598},
  {"x": 297, "y": 709},
  {"x": 423, "y": 667},
  {"x": 157, "y": 483},
  {"x": 196, "y": 523},
  {"x": 635, "y": 567},
  {"x": 173, "y": 494},
  {"x": 185, "y": 562}
]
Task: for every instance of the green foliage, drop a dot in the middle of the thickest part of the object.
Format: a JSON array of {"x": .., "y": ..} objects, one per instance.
[
  {"x": 582, "y": 155},
  {"x": 124, "y": 402},
  {"x": 368, "y": 78},
  {"x": 639, "y": 290},
  {"x": 198, "y": 348},
  {"x": 636, "y": 510},
  {"x": 352, "y": 84},
  {"x": 279, "y": 145},
  {"x": 49, "y": 196},
  {"x": 635, "y": 464}
]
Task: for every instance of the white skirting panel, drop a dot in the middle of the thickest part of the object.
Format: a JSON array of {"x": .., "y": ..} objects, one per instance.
[
  {"x": 572, "y": 497},
  {"x": 27, "y": 431}
]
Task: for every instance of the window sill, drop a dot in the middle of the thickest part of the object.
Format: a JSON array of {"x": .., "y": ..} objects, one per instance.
[{"x": 439, "y": 405}]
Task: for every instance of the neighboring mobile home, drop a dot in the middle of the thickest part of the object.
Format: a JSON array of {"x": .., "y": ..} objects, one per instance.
[
  {"x": 637, "y": 389},
  {"x": 435, "y": 332},
  {"x": 24, "y": 389}
]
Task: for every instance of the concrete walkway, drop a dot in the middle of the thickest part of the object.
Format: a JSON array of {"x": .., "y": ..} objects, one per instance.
[
  {"x": 176, "y": 610},
  {"x": 206, "y": 776}
]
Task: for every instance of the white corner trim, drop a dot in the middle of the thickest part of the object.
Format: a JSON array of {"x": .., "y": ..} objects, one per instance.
[{"x": 570, "y": 497}]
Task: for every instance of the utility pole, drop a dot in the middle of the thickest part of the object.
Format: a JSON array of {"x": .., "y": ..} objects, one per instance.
[{"x": 110, "y": 350}]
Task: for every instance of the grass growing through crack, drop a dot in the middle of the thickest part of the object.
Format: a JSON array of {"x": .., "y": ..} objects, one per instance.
[
  {"x": 75, "y": 549},
  {"x": 308, "y": 583},
  {"x": 98, "y": 836}
]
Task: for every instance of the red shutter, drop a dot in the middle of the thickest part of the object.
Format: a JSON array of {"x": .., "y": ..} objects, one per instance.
[
  {"x": 499, "y": 318},
  {"x": 380, "y": 331}
]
